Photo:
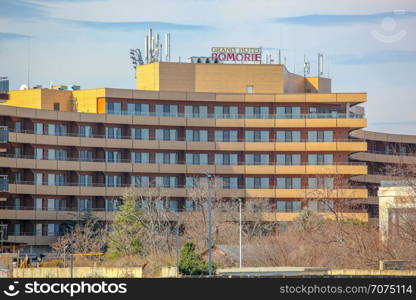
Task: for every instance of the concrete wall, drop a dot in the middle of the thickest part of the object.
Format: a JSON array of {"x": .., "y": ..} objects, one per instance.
[{"x": 78, "y": 272}]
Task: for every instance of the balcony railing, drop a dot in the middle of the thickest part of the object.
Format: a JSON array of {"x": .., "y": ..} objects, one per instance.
[
  {"x": 243, "y": 116},
  {"x": 4, "y": 183},
  {"x": 395, "y": 153},
  {"x": 4, "y": 134}
]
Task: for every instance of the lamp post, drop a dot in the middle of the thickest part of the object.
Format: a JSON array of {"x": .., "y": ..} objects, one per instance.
[
  {"x": 209, "y": 226},
  {"x": 241, "y": 234}
]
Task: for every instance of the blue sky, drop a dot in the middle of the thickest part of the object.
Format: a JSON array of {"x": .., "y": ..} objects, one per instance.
[{"x": 369, "y": 45}]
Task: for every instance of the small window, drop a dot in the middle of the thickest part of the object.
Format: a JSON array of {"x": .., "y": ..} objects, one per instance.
[
  {"x": 250, "y": 89},
  {"x": 56, "y": 106}
]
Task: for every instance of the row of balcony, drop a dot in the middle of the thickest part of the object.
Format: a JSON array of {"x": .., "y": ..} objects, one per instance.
[
  {"x": 183, "y": 191},
  {"x": 349, "y": 146},
  {"x": 183, "y": 168},
  {"x": 334, "y": 115}
]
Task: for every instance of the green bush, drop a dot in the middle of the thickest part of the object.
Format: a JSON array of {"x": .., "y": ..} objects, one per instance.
[{"x": 191, "y": 263}]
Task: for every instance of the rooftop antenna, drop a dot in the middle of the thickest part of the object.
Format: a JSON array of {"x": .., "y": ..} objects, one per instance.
[
  {"x": 306, "y": 66},
  {"x": 28, "y": 63},
  {"x": 167, "y": 46},
  {"x": 280, "y": 56},
  {"x": 320, "y": 64}
]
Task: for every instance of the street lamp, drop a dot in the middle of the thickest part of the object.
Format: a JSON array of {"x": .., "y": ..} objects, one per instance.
[
  {"x": 209, "y": 226},
  {"x": 241, "y": 233}
]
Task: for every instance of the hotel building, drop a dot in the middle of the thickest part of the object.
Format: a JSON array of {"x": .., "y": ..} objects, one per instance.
[{"x": 263, "y": 132}]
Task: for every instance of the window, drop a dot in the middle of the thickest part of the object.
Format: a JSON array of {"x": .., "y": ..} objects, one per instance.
[
  {"x": 257, "y": 182},
  {"x": 111, "y": 204},
  {"x": 16, "y": 202},
  {"x": 56, "y": 106},
  {"x": 288, "y": 159},
  {"x": 166, "y": 134},
  {"x": 56, "y": 179},
  {"x": 189, "y": 205},
  {"x": 326, "y": 205},
  {"x": 112, "y": 156},
  {"x": 140, "y": 181},
  {"x": 320, "y": 136},
  {"x": 138, "y": 109},
  {"x": 53, "y": 229},
  {"x": 166, "y": 181},
  {"x": 52, "y": 204},
  {"x": 113, "y": 108},
  {"x": 196, "y": 111},
  {"x": 320, "y": 183},
  {"x": 113, "y": 132},
  {"x": 38, "y": 128},
  {"x": 16, "y": 229},
  {"x": 250, "y": 89},
  {"x": 257, "y": 112},
  {"x": 320, "y": 159},
  {"x": 84, "y": 204},
  {"x": 228, "y": 182},
  {"x": 226, "y": 112},
  {"x": 57, "y": 129},
  {"x": 39, "y": 230},
  {"x": 257, "y": 136},
  {"x": 288, "y": 183},
  {"x": 226, "y": 135},
  {"x": 38, "y": 153},
  {"x": 38, "y": 203},
  {"x": 18, "y": 151},
  {"x": 226, "y": 159},
  {"x": 85, "y": 155},
  {"x": 288, "y": 112},
  {"x": 18, "y": 126},
  {"x": 56, "y": 154},
  {"x": 166, "y": 158},
  {"x": 288, "y": 136},
  {"x": 322, "y": 112},
  {"x": 196, "y": 158},
  {"x": 288, "y": 206},
  {"x": 196, "y": 135},
  {"x": 112, "y": 180},
  {"x": 140, "y": 157},
  {"x": 85, "y": 179},
  {"x": 85, "y": 131},
  {"x": 38, "y": 178},
  {"x": 18, "y": 178},
  {"x": 257, "y": 159},
  {"x": 166, "y": 110},
  {"x": 191, "y": 182},
  {"x": 139, "y": 133}
]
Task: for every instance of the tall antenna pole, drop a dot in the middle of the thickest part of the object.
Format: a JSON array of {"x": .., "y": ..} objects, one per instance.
[{"x": 28, "y": 64}]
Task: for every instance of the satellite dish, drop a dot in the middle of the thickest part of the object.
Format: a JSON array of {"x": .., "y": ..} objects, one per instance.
[{"x": 23, "y": 87}]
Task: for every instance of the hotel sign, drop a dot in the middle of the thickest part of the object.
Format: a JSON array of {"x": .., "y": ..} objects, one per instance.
[{"x": 236, "y": 54}]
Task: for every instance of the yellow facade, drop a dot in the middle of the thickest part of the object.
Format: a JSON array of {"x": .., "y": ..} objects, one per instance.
[{"x": 225, "y": 78}]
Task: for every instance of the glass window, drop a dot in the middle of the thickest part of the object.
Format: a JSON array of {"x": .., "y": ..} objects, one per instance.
[
  {"x": 227, "y": 112},
  {"x": 166, "y": 134},
  {"x": 166, "y": 110},
  {"x": 288, "y": 159},
  {"x": 288, "y": 112},
  {"x": 138, "y": 109},
  {"x": 85, "y": 180},
  {"x": 38, "y": 128},
  {"x": 139, "y": 133},
  {"x": 226, "y": 159},
  {"x": 140, "y": 157},
  {"x": 166, "y": 181},
  {"x": 112, "y": 180},
  {"x": 257, "y": 112},
  {"x": 113, "y": 132},
  {"x": 38, "y": 178},
  {"x": 38, "y": 153},
  {"x": 84, "y": 204},
  {"x": 113, "y": 108},
  {"x": 18, "y": 126},
  {"x": 257, "y": 182},
  {"x": 112, "y": 156},
  {"x": 140, "y": 181},
  {"x": 288, "y": 206},
  {"x": 288, "y": 136},
  {"x": 166, "y": 158},
  {"x": 85, "y": 155},
  {"x": 85, "y": 131}
]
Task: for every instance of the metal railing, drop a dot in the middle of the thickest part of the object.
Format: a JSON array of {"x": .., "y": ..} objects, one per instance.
[{"x": 242, "y": 116}]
